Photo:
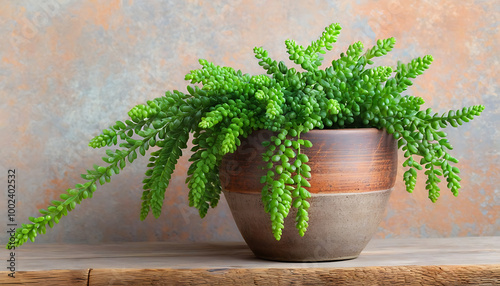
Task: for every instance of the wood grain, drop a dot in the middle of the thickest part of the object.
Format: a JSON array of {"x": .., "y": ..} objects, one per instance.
[
  {"x": 50, "y": 277},
  {"x": 393, "y": 275},
  {"x": 390, "y": 275},
  {"x": 153, "y": 255},
  {"x": 436, "y": 261}
]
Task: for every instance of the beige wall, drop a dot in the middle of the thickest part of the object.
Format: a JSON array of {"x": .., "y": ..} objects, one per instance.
[{"x": 70, "y": 68}]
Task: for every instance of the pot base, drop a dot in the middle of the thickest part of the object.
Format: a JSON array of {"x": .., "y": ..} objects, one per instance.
[{"x": 341, "y": 226}]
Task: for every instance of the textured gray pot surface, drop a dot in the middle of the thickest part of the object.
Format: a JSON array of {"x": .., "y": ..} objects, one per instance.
[{"x": 340, "y": 227}]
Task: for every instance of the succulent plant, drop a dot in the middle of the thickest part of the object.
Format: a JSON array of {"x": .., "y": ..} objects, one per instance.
[{"x": 223, "y": 105}]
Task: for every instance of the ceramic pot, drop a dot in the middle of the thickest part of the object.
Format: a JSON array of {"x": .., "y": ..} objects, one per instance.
[{"x": 353, "y": 173}]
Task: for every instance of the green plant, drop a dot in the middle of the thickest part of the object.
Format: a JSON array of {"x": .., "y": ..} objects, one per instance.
[{"x": 223, "y": 105}]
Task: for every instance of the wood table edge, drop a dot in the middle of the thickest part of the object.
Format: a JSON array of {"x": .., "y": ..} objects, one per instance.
[{"x": 486, "y": 274}]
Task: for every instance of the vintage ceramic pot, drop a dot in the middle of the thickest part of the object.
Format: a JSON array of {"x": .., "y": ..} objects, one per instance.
[{"x": 353, "y": 173}]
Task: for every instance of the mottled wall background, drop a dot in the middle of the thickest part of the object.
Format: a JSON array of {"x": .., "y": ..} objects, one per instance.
[{"x": 69, "y": 69}]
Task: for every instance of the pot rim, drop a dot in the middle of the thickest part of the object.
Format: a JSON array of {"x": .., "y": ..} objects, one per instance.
[
  {"x": 349, "y": 130},
  {"x": 338, "y": 130}
]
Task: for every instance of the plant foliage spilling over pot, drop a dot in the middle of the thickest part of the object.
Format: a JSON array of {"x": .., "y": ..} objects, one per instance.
[{"x": 223, "y": 105}]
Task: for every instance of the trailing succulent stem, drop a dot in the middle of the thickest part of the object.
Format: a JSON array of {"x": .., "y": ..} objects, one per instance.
[{"x": 222, "y": 106}]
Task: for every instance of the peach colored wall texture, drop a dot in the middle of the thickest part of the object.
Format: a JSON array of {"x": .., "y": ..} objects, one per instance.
[{"x": 69, "y": 69}]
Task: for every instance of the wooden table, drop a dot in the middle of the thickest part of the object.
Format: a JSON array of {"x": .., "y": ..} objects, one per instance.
[{"x": 441, "y": 261}]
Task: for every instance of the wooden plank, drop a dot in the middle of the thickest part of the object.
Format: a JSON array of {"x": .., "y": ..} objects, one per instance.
[
  {"x": 448, "y": 261},
  {"x": 152, "y": 255},
  {"x": 48, "y": 277},
  {"x": 395, "y": 275},
  {"x": 392, "y": 275}
]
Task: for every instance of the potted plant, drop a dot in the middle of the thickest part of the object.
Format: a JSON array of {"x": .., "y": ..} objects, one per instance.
[{"x": 224, "y": 107}]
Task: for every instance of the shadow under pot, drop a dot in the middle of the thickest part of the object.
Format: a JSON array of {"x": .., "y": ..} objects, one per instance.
[{"x": 353, "y": 173}]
